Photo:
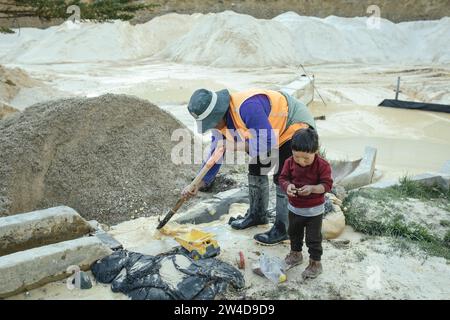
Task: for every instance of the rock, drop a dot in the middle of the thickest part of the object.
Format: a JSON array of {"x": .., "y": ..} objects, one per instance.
[
  {"x": 363, "y": 174},
  {"x": 29, "y": 269},
  {"x": 429, "y": 179},
  {"x": 333, "y": 224},
  {"x": 38, "y": 228},
  {"x": 328, "y": 206},
  {"x": 340, "y": 244},
  {"x": 339, "y": 192},
  {"x": 95, "y": 225},
  {"x": 213, "y": 209},
  {"x": 84, "y": 279}
]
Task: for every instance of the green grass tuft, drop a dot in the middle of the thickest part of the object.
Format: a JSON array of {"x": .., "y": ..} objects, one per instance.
[
  {"x": 6, "y": 30},
  {"x": 396, "y": 227}
]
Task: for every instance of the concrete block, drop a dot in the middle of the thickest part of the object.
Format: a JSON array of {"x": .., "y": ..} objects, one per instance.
[
  {"x": 431, "y": 179},
  {"x": 363, "y": 173},
  {"x": 38, "y": 228},
  {"x": 214, "y": 208},
  {"x": 108, "y": 240},
  {"x": 341, "y": 169},
  {"x": 382, "y": 184},
  {"x": 29, "y": 269},
  {"x": 301, "y": 88}
]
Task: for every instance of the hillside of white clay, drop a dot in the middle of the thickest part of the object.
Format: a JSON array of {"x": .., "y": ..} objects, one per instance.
[{"x": 229, "y": 39}]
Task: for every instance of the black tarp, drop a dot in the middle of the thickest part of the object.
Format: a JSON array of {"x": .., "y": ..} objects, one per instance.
[
  {"x": 415, "y": 105},
  {"x": 138, "y": 276}
]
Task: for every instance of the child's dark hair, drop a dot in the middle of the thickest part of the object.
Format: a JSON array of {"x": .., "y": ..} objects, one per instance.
[{"x": 305, "y": 140}]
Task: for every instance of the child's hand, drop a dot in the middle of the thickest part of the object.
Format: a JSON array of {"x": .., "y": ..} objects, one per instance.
[
  {"x": 305, "y": 190},
  {"x": 291, "y": 190}
]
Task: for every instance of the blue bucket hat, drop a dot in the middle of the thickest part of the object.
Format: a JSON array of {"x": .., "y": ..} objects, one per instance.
[{"x": 208, "y": 107}]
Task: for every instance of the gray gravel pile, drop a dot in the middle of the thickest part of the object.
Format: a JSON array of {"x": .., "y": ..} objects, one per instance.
[{"x": 108, "y": 157}]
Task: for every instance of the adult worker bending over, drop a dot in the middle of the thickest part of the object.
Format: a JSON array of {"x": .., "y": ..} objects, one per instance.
[{"x": 262, "y": 123}]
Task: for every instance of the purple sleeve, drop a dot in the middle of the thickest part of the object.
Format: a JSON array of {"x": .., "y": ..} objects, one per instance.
[{"x": 255, "y": 114}]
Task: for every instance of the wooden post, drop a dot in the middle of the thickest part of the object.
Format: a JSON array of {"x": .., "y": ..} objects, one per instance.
[{"x": 398, "y": 88}]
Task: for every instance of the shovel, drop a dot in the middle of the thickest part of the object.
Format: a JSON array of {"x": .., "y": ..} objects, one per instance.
[{"x": 208, "y": 165}]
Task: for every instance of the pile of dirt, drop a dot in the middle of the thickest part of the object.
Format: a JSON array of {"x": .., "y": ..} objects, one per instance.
[
  {"x": 6, "y": 110},
  {"x": 21, "y": 90},
  {"x": 12, "y": 80},
  {"x": 108, "y": 157}
]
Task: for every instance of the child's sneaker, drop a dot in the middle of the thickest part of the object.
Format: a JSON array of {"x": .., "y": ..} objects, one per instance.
[
  {"x": 312, "y": 270},
  {"x": 293, "y": 259}
]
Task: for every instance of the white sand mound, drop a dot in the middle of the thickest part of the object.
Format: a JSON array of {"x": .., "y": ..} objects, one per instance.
[
  {"x": 429, "y": 40},
  {"x": 92, "y": 42},
  {"x": 236, "y": 40},
  {"x": 336, "y": 39},
  {"x": 229, "y": 39}
]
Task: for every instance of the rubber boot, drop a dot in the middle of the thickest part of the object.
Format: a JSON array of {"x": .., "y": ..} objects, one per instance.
[
  {"x": 258, "y": 193},
  {"x": 278, "y": 232}
]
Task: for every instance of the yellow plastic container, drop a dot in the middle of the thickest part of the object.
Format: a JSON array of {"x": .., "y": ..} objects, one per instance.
[{"x": 200, "y": 244}]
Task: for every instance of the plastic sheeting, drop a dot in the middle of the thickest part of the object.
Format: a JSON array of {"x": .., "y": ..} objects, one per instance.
[
  {"x": 168, "y": 276},
  {"x": 415, "y": 105}
]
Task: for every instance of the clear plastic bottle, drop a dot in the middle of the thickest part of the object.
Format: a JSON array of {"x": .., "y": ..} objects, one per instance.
[{"x": 273, "y": 268}]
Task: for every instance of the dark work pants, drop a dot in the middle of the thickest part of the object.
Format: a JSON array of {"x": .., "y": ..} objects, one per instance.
[
  {"x": 313, "y": 226},
  {"x": 285, "y": 151}
]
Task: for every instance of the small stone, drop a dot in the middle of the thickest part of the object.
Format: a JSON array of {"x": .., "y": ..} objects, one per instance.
[{"x": 85, "y": 280}]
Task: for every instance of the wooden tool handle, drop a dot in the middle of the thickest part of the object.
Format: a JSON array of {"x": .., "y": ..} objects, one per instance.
[
  {"x": 208, "y": 165},
  {"x": 220, "y": 149}
]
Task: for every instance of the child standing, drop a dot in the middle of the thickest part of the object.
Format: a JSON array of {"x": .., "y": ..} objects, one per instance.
[{"x": 305, "y": 178}]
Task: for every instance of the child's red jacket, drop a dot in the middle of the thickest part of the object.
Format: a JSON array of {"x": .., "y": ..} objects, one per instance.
[{"x": 319, "y": 172}]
